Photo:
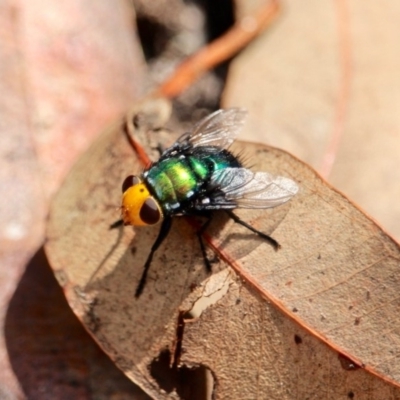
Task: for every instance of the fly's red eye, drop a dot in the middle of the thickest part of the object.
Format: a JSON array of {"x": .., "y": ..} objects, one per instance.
[
  {"x": 129, "y": 181},
  {"x": 150, "y": 212}
]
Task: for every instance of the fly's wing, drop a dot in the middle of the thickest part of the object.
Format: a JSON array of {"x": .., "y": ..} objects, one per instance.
[
  {"x": 218, "y": 130},
  {"x": 248, "y": 189}
]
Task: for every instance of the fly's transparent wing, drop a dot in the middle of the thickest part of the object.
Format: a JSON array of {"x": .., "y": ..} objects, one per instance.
[
  {"x": 250, "y": 189},
  {"x": 219, "y": 129}
]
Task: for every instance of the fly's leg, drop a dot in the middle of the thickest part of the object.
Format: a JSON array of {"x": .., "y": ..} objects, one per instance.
[
  {"x": 160, "y": 148},
  {"x": 269, "y": 239},
  {"x": 200, "y": 232},
  {"x": 164, "y": 230},
  {"x": 165, "y": 152},
  {"x": 116, "y": 224}
]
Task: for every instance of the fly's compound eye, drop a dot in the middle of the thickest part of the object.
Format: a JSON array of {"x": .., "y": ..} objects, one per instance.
[
  {"x": 150, "y": 211},
  {"x": 129, "y": 181}
]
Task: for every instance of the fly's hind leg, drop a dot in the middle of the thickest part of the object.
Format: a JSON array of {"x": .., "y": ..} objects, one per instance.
[
  {"x": 199, "y": 233},
  {"x": 239, "y": 221}
]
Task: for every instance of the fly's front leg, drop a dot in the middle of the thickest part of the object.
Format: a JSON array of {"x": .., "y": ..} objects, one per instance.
[
  {"x": 116, "y": 224},
  {"x": 239, "y": 221},
  {"x": 164, "y": 230}
]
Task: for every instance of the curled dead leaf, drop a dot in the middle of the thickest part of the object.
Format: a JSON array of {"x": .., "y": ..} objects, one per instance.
[{"x": 276, "y": 327}]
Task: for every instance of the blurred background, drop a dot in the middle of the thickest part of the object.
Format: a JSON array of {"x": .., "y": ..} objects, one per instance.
[{"x": 322, "y": 82}]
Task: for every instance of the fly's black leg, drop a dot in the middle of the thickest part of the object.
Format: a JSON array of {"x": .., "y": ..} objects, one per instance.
[
  {"x": 200, "y": 232},
  {"x": 269, "y": 239},
  {"x": 160, "y": 148},
  {"x": 164, "y": 230}
]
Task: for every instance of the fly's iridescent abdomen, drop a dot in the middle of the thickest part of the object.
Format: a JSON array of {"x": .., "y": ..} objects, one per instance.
[{"x": 179, "y": 179}]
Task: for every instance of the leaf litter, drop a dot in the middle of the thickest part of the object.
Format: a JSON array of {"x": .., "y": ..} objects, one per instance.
[{"x": 332, "y": 283}]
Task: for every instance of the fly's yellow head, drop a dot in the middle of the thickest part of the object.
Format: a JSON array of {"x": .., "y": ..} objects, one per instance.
[{"x": 139, "y": 207}]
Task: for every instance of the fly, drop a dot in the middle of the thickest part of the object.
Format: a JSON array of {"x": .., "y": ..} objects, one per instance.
[{"x": 196, "y": 176}]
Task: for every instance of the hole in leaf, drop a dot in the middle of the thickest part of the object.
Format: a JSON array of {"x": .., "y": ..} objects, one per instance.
[
  {"x": 160, "y": 370},
  {"x": 194, "y": 383},
  {"x": 298, "y": 339},
  {"x": 347, "y": 364}
]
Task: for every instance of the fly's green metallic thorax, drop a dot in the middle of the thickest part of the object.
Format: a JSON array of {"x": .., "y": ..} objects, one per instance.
[{"x": 181, "y": 178}]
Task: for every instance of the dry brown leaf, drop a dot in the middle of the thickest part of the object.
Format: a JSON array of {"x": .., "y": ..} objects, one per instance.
[
  {"x": 323, "y": 83},
  {"x": 66, "y": 69},
  {"x": 22, "y": 210},
  {"x": 83, "y": 67},
  {"x": 333, "y": 282}
]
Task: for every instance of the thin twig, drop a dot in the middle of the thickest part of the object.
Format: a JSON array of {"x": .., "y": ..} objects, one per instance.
[{"x": 220, "y": 50}]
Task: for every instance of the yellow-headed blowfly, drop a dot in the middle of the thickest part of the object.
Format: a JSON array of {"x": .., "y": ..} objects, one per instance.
[{"x": 197, "y": 176}]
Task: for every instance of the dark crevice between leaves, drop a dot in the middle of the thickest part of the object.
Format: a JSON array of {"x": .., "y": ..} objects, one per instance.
[
  {"x": 179, "y": 338},
  {"x": 153, "y": 36},
  {"x": 190, "y": 383},
  {"x": 162, "y": 42},
  {"x": 205, "y": 95},
  {"x": 219, "y": 18}
]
